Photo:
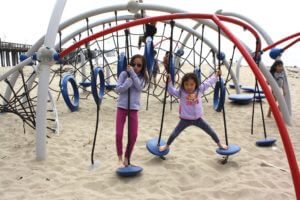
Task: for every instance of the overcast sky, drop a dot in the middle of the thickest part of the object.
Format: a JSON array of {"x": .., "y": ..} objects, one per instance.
[{"x": 27, "y": 20}]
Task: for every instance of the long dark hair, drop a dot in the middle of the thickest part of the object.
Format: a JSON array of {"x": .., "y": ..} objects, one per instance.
[
  {"x": 189, "y": 76},
  {"x": 144, "y": 72},
  {"x": 275, "y": 64}
]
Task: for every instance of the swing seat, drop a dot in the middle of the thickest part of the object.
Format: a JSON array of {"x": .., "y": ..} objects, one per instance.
[
  {"x": 241, "y": 98},
  {"x": 85, "y": 83},
  {"x": 154, "y": 149},
  {"x": 251, "y": 89},
  {"x": 232, "y": 149},
  {"x": 265, "y": 142},
  {"x": 129, "y": 171}
]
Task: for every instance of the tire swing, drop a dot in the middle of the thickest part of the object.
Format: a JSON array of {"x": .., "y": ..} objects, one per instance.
[
  {"x": 73, "y": 106},
  {"x": 219, "y": 99},
  {"x": 154, "y": 144},
  {"x": 219, "y": 95},
  {"x": 129, "y": 170},
  {"x": 98, "y": 96}
]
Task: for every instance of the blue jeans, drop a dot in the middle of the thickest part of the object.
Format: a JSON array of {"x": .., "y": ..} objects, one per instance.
[{"x": 184, "y": 123}]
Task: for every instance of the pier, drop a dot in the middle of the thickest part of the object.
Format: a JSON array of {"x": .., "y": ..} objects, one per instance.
[{"x": 10, "y": 53}]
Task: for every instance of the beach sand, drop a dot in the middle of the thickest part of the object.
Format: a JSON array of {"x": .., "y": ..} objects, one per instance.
[{"x": 192, "y": 169}]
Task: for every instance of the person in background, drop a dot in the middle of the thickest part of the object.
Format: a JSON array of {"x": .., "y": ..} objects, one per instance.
[
  {"x": 150, "y": 31},
  {"x": 278, "y": 74}
]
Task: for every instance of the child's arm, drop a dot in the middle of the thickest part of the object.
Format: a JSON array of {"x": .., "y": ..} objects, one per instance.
[
  {"x": 138, "y": 84},
  {"x": 123, "y": 83},
  {"x": 171, "y": 89},
  {"x": 209, "y": 82}
]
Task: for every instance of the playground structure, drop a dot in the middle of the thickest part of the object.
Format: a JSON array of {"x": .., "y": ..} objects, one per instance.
[{"x": 45, "y": 52}]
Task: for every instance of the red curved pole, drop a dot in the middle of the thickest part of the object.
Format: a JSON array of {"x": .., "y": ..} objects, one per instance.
[
  {"x": 153, "y": 19},
  {"x": 217, "y": 19},
  {"x": 277, "y": 116},
  {"x": 281, "y": 41},
  {"x": 291, "y": 44}
]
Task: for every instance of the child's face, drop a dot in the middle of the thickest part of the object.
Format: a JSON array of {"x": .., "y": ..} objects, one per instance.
[
  {"x": 189, "y": 86},
  {"x": 137, "y": 65},
  {"x": 279, "y": 68}
]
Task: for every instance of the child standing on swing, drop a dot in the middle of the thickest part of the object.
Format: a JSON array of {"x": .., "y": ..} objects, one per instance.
[
  {"x": 136, "y": 81},
  {"x": 190, "y": 106}
]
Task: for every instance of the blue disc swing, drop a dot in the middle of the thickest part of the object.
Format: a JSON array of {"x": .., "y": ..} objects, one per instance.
[
  {"x": 154, "y": 144},
  {"x": 218, "y": 103},
  {"x": 265, "y": 142},
  {"x": 98, "y": 96}
]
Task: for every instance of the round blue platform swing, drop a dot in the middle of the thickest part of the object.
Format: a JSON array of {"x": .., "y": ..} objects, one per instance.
[
  {"x": 98, "y": 96},
  {"x": 251, "y": 89},
  {"x": 219, "y": 100},
  {"x": 265, "y": 142},
  {"x": 241, "y": 98},
  {"x": 153, "y": 144},
  {"x": 130, "y": 170}
]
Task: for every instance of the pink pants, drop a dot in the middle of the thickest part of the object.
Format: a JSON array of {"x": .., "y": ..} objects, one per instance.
[{"x": 120, "y": 121}]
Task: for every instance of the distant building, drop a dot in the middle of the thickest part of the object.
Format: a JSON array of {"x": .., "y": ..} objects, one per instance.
[{"x": 10, "y": 53}]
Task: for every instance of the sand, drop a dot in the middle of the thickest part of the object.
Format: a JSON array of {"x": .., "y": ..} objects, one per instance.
[{"x": 192, "y": 169}]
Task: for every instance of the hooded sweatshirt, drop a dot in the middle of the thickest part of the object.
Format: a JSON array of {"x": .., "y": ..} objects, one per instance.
[
  {"x": 191, "y": 109},
  {"x": 136, "y": 84}
]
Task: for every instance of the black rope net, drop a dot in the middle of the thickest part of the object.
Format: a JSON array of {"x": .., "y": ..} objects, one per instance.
[
  {"x": 106, "y": 50},
  {"x": 23, "y": 99},
  {"x": 105, "y": 53}
]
